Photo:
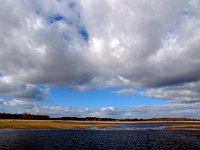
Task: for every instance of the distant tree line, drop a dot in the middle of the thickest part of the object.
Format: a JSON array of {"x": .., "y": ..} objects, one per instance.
[
  {"x": 170, "y": 119},
  {"x": 85, "y": 119},
  {"x": 23, "y": 116},
  {"x": 134, "y": 119},
  {"x": 46, "y": 117}
]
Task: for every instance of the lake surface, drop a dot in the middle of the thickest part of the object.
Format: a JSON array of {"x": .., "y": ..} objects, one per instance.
[
  {"x": 126, "y": 136},
  {"x": 145, "y": 126}
]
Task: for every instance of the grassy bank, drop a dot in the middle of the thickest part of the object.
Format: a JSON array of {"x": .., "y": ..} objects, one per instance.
[
  {"x": 185, "y": 126},
  {"x": 48, "y": 124}
]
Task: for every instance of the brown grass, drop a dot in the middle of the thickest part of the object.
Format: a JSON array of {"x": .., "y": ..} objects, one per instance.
[
  {"x": 48, "y": 124},
  {"x": 185, "y": 126}
]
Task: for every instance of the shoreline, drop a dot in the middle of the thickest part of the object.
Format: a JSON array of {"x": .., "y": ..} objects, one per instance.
[{"x": 73, "y": 124}]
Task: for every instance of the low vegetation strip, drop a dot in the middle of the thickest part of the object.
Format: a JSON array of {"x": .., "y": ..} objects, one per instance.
[
  {"x": 23, "y": 116},
  {"x": 47, "y": 124}
]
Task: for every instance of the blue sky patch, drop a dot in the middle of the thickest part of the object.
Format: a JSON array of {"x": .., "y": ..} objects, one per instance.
[
  {"x": 72, "y": 4},
  {"x": 83, "y": 32},
  {"x": 1, "y": 74},
  {"x": 97, "y": 98},
  {"x": 55, "y": 18}
]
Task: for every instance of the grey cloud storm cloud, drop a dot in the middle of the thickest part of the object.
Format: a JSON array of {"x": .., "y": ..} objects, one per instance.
[
  {"x": 21, "y": 90},
  {"x": 186, "y": 93},
  {"x": 182, "y": 93},
  {"x": 88, "y": 44}
]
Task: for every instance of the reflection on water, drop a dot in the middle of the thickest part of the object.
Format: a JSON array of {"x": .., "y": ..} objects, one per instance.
[
  {"x": 146, "y": 126},
  {"x": 99, "y": 139}
]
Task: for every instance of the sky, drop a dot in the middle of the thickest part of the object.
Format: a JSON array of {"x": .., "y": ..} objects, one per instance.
[{"x": 100, "y": 58}]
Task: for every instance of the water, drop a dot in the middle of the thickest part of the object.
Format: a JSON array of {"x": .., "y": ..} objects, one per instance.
[
  {"x": 122, "y": 138},
  {"x": 145, "y": 126}
]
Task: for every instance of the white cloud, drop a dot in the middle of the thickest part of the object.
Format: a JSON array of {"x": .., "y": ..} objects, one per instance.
[
  {"x": 137, "y": 41},
  {"x": 172, "y": 110},
  {"x": 88, "y": 44},
  {"x": 186, "y": 93},
  {"x": 181, "y": 93},
  {"x": 25, "y": 91},
  {"x": 19, "y": 103},
  {"x": 1, "y": 101},
  {"x": 125, "y": 92}
]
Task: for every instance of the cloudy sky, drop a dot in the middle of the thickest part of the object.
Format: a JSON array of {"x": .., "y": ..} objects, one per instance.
[{"x": 101, "y": 58}]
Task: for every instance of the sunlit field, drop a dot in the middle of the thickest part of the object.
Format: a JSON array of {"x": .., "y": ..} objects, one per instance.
[{"x": 49, "y": 124}]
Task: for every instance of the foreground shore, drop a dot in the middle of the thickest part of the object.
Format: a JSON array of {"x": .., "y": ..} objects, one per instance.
[{"x": 64, "y": 124}]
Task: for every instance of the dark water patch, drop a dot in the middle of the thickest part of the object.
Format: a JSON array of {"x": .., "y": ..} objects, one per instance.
[{"x": 99, "y": 139}]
